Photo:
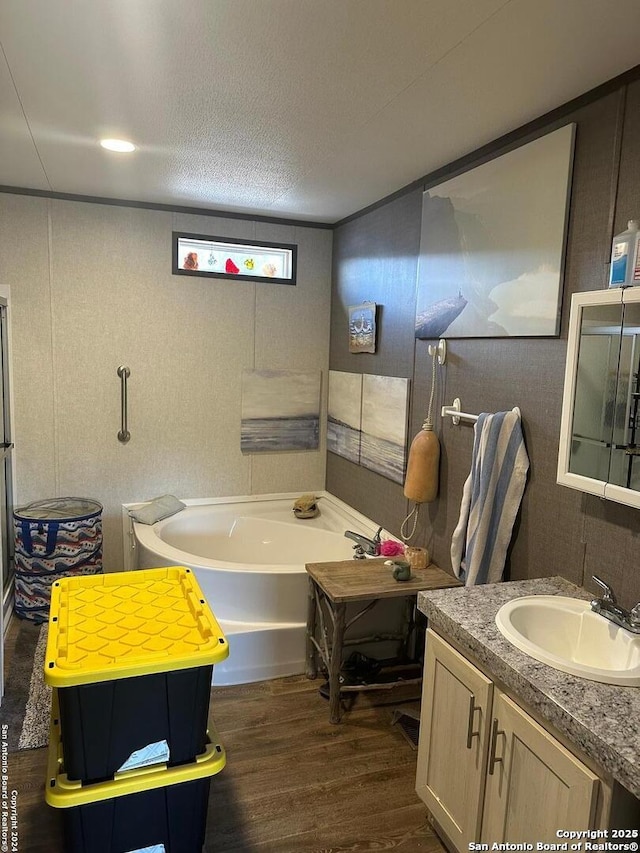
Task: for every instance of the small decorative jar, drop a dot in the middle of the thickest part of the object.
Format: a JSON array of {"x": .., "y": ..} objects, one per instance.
[{"x": 418, "y": 558}]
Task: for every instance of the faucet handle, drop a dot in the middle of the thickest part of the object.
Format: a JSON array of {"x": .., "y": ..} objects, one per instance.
[
  {"x": 634, "y": 615},
  {"x": 609, "y": 594}
]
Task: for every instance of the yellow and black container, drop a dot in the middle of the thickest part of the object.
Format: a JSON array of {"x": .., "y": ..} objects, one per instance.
[
  {"x": 136, "y": 809},
  {"x": 131, "y": 657}
]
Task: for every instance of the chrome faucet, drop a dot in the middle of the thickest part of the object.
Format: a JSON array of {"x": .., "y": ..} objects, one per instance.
[
  {"x": 364, "y": 546},
  {"x": 608, "y": 607}
]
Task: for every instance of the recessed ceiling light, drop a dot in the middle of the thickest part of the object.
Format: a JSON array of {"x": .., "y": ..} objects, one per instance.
[{"x": 120, "y": 145}]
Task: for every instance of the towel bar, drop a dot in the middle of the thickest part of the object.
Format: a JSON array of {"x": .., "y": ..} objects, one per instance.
[{"x": 453, "y": 412}]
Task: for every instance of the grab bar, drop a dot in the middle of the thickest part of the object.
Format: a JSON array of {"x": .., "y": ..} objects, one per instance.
[{"x": 123, "y": 372}]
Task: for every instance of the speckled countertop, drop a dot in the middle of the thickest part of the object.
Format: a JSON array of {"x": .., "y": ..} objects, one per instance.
[{"x": 602, "y": 720}]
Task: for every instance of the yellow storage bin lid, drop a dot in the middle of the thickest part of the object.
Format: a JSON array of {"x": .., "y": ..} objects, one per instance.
[
  {"x": 61, "y": 793},
  {"x": 123, "y": 624}
]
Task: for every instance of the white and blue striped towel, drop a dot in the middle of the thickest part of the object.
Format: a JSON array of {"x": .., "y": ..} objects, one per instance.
[{"x": 490, "y": 498}]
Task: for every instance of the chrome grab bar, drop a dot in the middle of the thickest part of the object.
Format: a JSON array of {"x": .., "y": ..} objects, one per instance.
[{"x": 123, "y": 372}]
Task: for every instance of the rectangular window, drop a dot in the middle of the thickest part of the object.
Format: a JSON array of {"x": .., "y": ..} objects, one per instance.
[{"x": 196, "y": 254}]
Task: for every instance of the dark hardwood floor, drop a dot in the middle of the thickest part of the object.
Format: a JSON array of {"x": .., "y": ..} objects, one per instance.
[{"x": 293, "y": 783}]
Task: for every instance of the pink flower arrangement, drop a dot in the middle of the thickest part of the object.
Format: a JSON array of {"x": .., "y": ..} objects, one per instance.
[{"x": 391, "y": 548}]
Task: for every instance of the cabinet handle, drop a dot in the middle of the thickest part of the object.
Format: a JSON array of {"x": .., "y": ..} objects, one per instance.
[
  {"x": 494, "y": 742},
  {"x": 470, "y": 732}
]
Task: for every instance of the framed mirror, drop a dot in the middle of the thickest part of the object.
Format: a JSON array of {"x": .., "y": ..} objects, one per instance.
[{"x": 599, "y": 448}]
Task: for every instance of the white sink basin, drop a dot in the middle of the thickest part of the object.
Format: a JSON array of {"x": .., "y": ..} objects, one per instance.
[{"x": 565, "y": 634}]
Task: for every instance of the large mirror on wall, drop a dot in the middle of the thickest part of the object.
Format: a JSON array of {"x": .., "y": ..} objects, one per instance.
[{"x": 599, "y": 448}]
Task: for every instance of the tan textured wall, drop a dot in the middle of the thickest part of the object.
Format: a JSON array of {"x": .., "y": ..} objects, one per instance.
[
  {"x": 91, "y": 288},
  {"x": 559, "y": 531}
]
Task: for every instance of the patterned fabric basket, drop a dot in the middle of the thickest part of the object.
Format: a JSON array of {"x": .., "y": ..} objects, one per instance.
[{"x": 54, "y": 539}]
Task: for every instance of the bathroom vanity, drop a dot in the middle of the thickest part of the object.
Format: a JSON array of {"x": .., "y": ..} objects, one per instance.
[{"x": 512, "y": 750}]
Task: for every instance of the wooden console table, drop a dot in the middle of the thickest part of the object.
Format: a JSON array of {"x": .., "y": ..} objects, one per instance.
[{"x": 334, "y": 585}]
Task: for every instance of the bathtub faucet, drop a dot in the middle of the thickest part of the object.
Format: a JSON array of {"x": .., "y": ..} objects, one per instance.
[{"x": 364, "y": 546}]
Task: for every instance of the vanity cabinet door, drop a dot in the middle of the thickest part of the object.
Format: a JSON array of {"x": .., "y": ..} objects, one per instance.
[
  {"x": 534, "y": 785},
  {"x": 452, "y": 752}
]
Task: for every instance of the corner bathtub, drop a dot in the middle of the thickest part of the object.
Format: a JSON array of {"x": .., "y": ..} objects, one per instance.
[{"x": 249, "y": 555}]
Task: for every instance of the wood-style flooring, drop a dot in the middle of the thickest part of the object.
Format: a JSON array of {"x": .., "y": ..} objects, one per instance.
[{"x": 293, "y": 783}]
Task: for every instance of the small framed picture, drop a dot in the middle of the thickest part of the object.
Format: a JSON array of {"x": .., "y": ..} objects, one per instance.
[{"x": 362, "y": 327}]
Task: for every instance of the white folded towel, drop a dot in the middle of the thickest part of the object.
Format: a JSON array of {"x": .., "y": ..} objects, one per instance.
[
  {"x": 490, "y": 498},
  {"x": 157, "y": 509}
]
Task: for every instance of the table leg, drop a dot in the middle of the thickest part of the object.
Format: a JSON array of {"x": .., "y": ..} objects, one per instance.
[
  {"x": 336, "y": 662},
  {"x": 312, "y": 658},
  {"x": 407, "y": 627}
]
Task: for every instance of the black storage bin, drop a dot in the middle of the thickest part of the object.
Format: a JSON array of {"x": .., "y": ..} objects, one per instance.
[
  {"x": 53, "y": 538},
  {"x": 175, "y": 816},
  {"x": 104, "y": 722},
  {"x": 137, "y": 809}
]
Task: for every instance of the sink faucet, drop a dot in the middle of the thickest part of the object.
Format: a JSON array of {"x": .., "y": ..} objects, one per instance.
[
  {"x": 364, "y": 546},
  {"x": 608, "y": 607}
]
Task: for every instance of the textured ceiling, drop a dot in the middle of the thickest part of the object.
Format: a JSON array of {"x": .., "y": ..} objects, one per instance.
[{"x": 307, "y": 109}]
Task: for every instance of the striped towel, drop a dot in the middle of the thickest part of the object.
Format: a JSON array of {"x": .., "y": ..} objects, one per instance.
[{"x": 490, "y": 498}]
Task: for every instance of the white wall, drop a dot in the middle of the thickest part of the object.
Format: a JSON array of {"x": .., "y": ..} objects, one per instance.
[{"x": 91, "y": 288}]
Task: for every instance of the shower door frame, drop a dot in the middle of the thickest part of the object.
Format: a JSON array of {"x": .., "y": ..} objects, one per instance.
[{"x": 8, "y": 476}]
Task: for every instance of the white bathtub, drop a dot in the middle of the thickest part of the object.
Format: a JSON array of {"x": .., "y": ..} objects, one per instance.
[{"x": 249, "y": 555}]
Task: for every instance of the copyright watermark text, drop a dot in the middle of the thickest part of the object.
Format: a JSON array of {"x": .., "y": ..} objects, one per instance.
[
  {"x": 8, "y": 800},
  {"x": 578, "y": 841}
]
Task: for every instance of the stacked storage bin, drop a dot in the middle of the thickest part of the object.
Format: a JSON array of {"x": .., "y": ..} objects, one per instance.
[{"x": 130, "y": 657}]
